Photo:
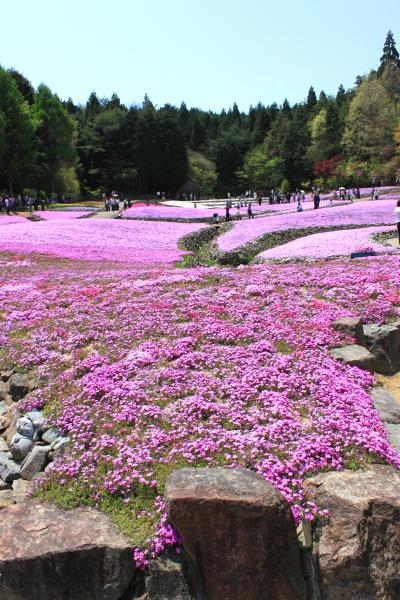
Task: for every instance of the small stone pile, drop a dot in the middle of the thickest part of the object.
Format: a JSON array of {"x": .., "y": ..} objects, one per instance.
[{"x": 27, "y": 442}]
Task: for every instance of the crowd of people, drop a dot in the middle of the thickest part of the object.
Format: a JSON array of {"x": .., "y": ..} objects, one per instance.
[
  {"x": 11, "y": 205},
  {"x": 114, "y": 203}
]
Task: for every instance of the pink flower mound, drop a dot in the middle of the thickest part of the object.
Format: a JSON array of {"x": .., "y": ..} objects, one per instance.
[
  {"x": 11, "y": 219},
  {"x": 329, "y": 244},
  {"x": 152, "y": 371},
  {"x": 57, "y": 215},
  {"x": 177, "y": 212},
  {"x": 378, "y": 212},
  {"x": 89, "y": 239}
]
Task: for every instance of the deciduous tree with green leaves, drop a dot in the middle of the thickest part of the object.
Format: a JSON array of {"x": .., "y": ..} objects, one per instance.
[{"x": 17, "y": 150}]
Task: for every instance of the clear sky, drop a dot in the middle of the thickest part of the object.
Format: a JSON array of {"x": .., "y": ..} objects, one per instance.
[{"x": 208, "y": 53}]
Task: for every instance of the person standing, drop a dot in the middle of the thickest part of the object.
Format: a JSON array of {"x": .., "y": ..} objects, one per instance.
[
  {"x": 397, "y": 215},
  {"x": 227, "y": 215},
  {"x": 250, "y": 212}
]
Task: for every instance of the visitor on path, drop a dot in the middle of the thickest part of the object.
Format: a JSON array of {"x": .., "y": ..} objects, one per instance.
[
  {"x": 376, "y": 195},
  {"x": 250, "y": 212},
  {"x": 299, "y": 206},
  {"x": 227, "y": 215},
  {"x": 317, "y": 200},
  {"x": 7, "y": 205},
  {"x": 238, "y": 213},
  {"x": 397, "y": 214}
]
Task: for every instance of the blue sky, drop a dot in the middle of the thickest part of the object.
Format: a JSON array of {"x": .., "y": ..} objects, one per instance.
[{"x": 207, "y": 53}]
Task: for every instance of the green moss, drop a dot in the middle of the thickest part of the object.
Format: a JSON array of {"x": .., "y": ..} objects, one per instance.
[{"x": 283, "y": 347}]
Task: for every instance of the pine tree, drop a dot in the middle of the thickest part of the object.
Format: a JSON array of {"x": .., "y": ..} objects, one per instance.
[
  {"x": 311, "y": 98},
  {"x": 390, "y": 54}
]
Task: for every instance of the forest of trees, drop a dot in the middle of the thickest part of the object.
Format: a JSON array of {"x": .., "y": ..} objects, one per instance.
[{"x": 351, "y": 138}]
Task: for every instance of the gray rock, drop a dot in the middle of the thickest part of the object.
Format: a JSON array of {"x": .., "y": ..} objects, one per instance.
[
  {"x": 19, "y": 386},
  {"x": 19, "y": 489},
  {"x": 35, "y": 415},
  {"x": 168, "y": 577},
  {"x": 50, "y": 554},
  {"x": 4, "y": 387},
  {"x": 5, "y": 486},
  {"x": 9, "y": 470},
  {"x": 357, "y": 549},
  {"x": 50, "y": 435},
  {"x": 383, "y": 341},
  {"x": 6, "y": 498},
  {"x": 3, "y": 445},
  {"x": 35, "y": 462},
  {"x": 355, "y": 356},
  {"x": 386, "y": 405},
  {"x": 394, "y": 435},
  {"x": 3, "y": 407},
  {"x": 351, "y": 326},
  {"x": 239, "y": 532},
  {"x": 5, "y": 421},
  {"x": 59, "y": 446},
  {"x": 6, "y": 374}
]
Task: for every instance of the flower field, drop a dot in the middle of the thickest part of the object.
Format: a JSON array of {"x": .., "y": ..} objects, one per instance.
[
  {"x": 11, "y": 219},
  {"x": 160, "y": 212},
  {"x": 136, "y": 242},
  {"x": 153, "y": 370},
  {"x": 58, "y": 215},
  {"x": 379, "y": 212},
  {"x": 148, "y": 368},
  {"x": 329, "y": 244}
]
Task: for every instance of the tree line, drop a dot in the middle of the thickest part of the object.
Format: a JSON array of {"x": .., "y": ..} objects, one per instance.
[{"x": 351, "y": 138}]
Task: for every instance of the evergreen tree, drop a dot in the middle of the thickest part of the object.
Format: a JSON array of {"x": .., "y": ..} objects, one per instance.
[
  {"x": 184, "y": 122},
  {"x": 93, "y": 106},
  {"x": 262, "y": 124},
  {"x": 252, "y": 118},
  {"x": 197, "y": 136},
  {"x": 390, "y": 54},
  {"x": 311, "y": 98},
  {"x": 341, "y": 96},
  {"x": 24, "y": 85},
  {"x": 296, "y": 166},
  {"x": 323, "y": 99},
  {"x": 286, "y": 110}
]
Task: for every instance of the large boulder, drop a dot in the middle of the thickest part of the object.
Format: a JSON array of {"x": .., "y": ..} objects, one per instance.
[
  {"x": 387, "y": 407},
  {"x": 239, "y": 531},
  {"x": 351, "y": 326},
  {"x": 383, "y": 341},
  {"x": 50, "y": 554},
  {"x": 354, "y": 355},
  {"x": 357, "y": 548}
]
